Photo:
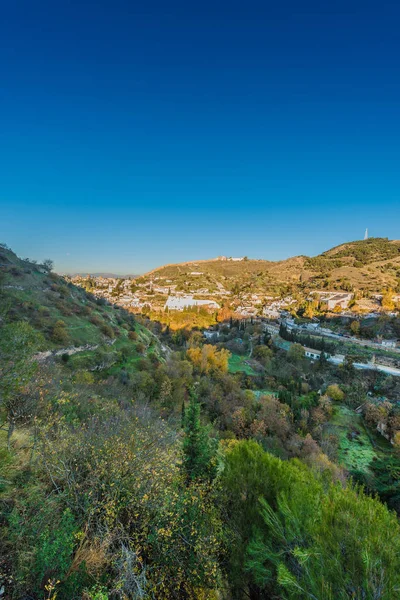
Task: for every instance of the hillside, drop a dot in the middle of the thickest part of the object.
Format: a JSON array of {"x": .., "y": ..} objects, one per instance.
[
  {"x": 366, "y": 265},
  {"x": 69, "y": 320},
  {"x": 128, "y": 467}
]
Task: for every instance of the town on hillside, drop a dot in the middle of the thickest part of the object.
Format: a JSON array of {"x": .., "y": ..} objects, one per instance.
[{"x": 362, "y": 323}]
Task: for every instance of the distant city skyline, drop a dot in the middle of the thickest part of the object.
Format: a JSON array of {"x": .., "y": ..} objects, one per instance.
[{"x": 138, "y": 135}]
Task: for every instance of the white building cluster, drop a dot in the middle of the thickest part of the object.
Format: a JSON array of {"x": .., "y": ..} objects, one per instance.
[{"x": 182, "y": 302}]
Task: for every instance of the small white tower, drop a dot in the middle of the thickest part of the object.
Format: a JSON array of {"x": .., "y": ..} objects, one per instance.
[{"x": 366, "y": 234}]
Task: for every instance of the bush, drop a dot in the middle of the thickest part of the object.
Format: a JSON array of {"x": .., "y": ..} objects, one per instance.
[
  {"x": 335, "y": 393},
  {"x": 140, "y": 348},
  {"x": 44, "y": 311},
  {"x": 107, "y": 330},
  {"x": 84, "y": 378},
  {"x": 95, "y": 320},
  {"x": 309, "y": 538},
  {"x": 59, "y": 333},
  {"x": 43, "y": 537}
]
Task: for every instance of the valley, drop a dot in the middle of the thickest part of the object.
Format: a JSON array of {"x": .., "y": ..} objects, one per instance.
[{"x": 146, "y": 437}]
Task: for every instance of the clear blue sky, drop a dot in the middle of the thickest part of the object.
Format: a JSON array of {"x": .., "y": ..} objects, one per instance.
[{"x": 136, "y": 134}]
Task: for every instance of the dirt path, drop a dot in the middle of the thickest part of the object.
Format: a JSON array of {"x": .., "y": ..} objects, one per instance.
[{"x": 42, "y": 356}]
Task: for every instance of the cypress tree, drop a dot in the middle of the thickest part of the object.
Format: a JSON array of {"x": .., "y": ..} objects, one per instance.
[
  {"x": 198, "y": 449},
  {"x": 183, "y": 414}
]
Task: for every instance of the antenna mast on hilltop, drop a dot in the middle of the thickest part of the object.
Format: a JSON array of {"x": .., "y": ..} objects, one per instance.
[{"x": 366, "y": 234}]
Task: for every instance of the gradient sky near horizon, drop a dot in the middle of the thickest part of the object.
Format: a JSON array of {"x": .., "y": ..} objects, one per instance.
[{"x": 134, "y": 134}]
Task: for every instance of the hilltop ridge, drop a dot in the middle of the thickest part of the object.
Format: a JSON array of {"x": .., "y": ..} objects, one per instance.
[{"x": 370, "y": 264}]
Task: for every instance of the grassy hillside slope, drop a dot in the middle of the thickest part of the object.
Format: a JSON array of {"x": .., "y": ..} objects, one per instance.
[{"x": 70, "y": 320}]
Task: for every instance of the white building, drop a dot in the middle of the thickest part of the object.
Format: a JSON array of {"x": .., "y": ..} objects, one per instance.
[
  {"x": 182, "y": 302},
  {"x": 247, "y": 311},
  {"x": 209, "y": 335},
  {"x": 389, "y": 343},
  {"x": 271, "y": 313},
  {"x": 333, "y": 300},
  {"x": 310, "y": 353}
]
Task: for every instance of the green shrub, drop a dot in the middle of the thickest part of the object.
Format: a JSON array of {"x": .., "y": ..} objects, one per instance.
[
  {"x": 140, "y": 348},
  {"x": 95, "y": 320},
  {"x": 59, "y": 333},
  {"x": 107, "y": 330},
  {"x": 54, "y": 549},
  {"x": 306, "y": 537}
]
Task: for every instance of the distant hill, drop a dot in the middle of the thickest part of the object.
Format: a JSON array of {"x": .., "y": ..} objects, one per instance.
[
  {"x": 366, "y": 265},
  {"x": 105, "y": 275}
]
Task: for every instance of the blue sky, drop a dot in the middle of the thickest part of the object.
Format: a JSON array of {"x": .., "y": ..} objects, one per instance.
[{"x": 136, "y": 134}]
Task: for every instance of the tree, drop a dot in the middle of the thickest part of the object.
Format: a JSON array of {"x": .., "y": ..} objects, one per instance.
[
  {"x": 300, "y": 550},
  {"x": 396, "y": 441},
  {"x": 48, "y": 264},
  {"x": 307, "y": 538},
  {"x": 355, "y": 327},
  {"x": 309, "y": 312},
  {"x": 335, "y": 393},
  {"x": 59, "y": 333},
  {"x": 263, "y": 354},
  {"x": 198, "y": 448},
  {"x": 387, "y": 300},
  {"x": 18, "y": 342},
  {"x": 296, "y": 352},
  {"x": 209, "y": 359}
]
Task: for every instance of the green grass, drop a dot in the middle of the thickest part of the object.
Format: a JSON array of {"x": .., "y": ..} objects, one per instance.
[
  {"x": 259, "y": 393},
  {"x": 355, "y": 453},
  {"x": 81, "y": 331},
  {"x": 238, "y": 364},
  {"x": 129, "y": 365}
]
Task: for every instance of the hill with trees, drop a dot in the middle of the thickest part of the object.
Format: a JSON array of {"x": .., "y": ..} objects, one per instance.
[
  {"x": 140, "y": 463},
  {"x": 371, "y": 265}
]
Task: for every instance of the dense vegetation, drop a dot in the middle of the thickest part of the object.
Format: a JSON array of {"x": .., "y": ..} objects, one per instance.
[{"x": 139, "y": 462}]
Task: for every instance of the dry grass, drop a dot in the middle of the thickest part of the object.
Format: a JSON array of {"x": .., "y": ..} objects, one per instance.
[{"x": 377, "y": 269}]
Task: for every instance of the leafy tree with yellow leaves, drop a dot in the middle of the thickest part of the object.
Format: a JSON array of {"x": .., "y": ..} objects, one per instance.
[{"x": 209, "y": 359}]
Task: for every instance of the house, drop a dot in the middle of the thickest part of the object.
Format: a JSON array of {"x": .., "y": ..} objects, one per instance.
[
  {"x": 247, "y": 311},
  {"x": 271, "y": 313},
  {"x": 311, "y": 326},
  {"x": 289, "y": 323},
  {"x": 310, "y": 353},
  {"x": 209, "y": 335},
  {"x": 182, "y": 302},
  {"x": 333, "y": 300},
  {"x": 389, "y": 343}
]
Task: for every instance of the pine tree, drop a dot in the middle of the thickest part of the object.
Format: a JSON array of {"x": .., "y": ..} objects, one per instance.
[
  {"x": 183, "y": 414},
  {"x": 198, "y": 448}
]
